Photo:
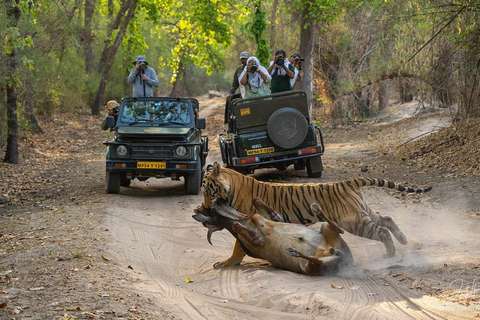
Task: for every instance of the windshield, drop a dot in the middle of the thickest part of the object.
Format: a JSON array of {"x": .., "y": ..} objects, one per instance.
[{"x": 156, "y": 112}]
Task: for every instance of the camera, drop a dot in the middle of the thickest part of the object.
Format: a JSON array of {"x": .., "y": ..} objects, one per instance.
[
  {"x": 115, "y": 110},
  {"x": 253, "y": 68},
  {"x": 280, "y": 61},
  {"x": 143, "y": 65},
  {"x": 299, "y": 59}
]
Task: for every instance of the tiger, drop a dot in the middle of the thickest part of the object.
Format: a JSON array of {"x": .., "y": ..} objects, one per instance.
[{"x": 342, "y": 201}]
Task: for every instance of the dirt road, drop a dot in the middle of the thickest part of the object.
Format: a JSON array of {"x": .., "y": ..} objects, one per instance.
[
  {"x": 153, "y": 232},
  {"x": 70, "y": 251}
]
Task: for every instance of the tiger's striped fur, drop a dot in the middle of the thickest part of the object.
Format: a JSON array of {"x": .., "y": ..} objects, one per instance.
[{"x": 342, "y": 201}]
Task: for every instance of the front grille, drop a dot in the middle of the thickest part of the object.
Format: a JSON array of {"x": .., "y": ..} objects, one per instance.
[{"x": 151, "y": 152}]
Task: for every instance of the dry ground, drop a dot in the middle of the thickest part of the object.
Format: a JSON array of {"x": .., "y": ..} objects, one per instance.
[{"x": 68, "y": 251}]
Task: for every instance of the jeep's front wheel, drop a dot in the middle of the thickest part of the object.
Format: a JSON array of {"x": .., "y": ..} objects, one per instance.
[
  {"x": 193, "y": 180},
  {"x": 113, "y": 182}
]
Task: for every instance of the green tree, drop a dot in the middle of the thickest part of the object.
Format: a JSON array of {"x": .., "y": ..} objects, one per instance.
[{"x": 199, "y": 32}]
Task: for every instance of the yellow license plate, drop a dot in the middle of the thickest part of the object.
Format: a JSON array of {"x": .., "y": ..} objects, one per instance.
[
  {"x": 260, "y": 151},
  {"x": 151, "y": 165}
]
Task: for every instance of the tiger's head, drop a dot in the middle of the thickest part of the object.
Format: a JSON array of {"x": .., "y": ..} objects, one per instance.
[{"x": 214, "y": 186}]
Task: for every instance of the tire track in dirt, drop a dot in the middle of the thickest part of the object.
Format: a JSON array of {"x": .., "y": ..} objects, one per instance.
[
  {"x": 379, "y": 298},
  {"x": 150, "y": 245}
]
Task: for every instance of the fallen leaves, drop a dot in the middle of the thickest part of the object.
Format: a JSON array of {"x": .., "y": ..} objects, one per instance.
[
  {"x": 416, "y": 284},
  {"x": 334, "y": 286},
  {"x": 455, "y": 149},
  {"x": 47, "y": 161}
]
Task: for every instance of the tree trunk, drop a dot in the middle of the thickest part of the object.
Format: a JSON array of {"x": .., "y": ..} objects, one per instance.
[
  {"x": 28, "y": 107},
  {"x": 179, "y": 87},
  {"x": 109, "y": 53},
  {"x": 126, "y": 4},
  {"x": 383, "y": 96},
  {"x": 87, "y": 36},
  {"x": 11, "y": 155},
  {"x": 272, "y": 26},
  {"x": 405, "y": 91},
  {"x": 307, "y": 45}
]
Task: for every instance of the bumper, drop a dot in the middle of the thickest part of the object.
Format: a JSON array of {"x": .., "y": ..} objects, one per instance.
[
  {"x": 270, "y": 160},
  {"x": 131, "y": 167}
]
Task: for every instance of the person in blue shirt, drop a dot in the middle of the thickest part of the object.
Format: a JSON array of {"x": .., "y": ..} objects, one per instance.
[{"x": 143, "y": 78}]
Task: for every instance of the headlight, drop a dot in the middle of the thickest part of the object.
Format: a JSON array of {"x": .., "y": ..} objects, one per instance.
[
  {"x": 181, "y": 151},
  {"x": 122, "y": 150}
]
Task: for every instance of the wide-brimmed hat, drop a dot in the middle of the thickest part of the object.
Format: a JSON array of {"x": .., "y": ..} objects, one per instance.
[
  {"x": 140, "y": 59},
  {"x": 112, "y": 104},
  {"x": 244, "y": 55}
]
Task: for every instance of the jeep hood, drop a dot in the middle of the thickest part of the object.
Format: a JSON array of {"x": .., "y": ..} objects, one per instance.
[{"x": 154, "y": 131}]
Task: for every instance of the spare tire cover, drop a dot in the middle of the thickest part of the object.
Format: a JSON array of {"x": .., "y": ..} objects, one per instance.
[{"x": 287, "y": 127}]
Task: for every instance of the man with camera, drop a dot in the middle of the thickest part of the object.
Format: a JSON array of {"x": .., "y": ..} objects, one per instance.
[
  {"x": 296, "y": 61},
  {"x": 281, "y": 71},
  {"x": 143, "y": 78},
  {"x": 235, "y": 84},
  {"x": 112, "y": 107}
]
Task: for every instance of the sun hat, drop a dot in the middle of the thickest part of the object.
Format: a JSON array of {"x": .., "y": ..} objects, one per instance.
[
  {"x": 244, "y": 55},
  {"x": 140, "y": 59},
  {"x": 112, "y": 104}
]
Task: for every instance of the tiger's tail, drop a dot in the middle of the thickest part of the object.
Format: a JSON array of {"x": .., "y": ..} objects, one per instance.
[{"x": 364, "y": 182}]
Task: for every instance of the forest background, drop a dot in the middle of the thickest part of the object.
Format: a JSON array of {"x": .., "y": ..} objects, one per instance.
[{"x": 66, "y": 55}]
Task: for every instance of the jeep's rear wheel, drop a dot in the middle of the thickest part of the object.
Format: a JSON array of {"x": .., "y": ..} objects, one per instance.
[
  {"x": 124, "y": 182},
  {"x": 113, "y": 182},
  {"x": 287, "y": 127},
  {"x": 193, "y": 180},
  {"x": 314, "y": 167}
]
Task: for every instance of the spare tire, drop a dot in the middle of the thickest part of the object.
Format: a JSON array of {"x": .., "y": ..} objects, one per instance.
[{"x": 287, "y": 127}]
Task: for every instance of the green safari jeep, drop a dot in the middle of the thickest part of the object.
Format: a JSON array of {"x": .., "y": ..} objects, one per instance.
[
  {"x": 271, "y": 131},
  {"x": 156, "y": 137}
]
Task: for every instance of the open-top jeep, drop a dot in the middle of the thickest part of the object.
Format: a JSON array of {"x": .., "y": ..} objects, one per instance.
[
  {"x": 271, "y": 131},
  {"x": 156, "y": 137}
]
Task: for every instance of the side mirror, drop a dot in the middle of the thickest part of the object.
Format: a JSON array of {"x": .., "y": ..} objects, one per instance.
[
  {"x": 110, "y": 121},
  {"x": 201, "y": 124}
]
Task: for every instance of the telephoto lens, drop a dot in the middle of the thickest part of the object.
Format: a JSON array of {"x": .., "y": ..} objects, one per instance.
[
  {"x": 280, "y": 61},
  {"x": 253, "y": 68}
]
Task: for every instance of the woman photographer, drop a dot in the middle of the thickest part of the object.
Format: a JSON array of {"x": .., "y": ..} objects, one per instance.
[{"x": 254, "y": 80}]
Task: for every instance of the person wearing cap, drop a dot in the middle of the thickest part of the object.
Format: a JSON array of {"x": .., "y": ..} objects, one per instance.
[
  {"x": 112, "y": 108},
  {"x": 143, "y": 78},
  {"x": 235, "y": 85},
  {"x": 281, "y": 71},
  {"x": 296, "y": 61},
  {"x": 254, "y": 80}
]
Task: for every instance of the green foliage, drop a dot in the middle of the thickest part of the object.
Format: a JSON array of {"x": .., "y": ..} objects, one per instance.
[
  {"x": 198, "y": 32},
  {"x": 256, "y": 28}
]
